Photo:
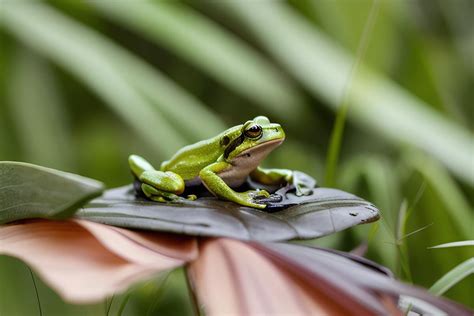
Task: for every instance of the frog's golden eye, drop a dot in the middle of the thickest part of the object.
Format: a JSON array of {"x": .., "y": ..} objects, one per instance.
[{"x": 253, "y": 131}]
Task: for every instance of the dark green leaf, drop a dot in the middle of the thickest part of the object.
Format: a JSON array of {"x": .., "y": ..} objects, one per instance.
[
  {"x": 324, "y": 212},
  {"x": 29, "y": 191}
]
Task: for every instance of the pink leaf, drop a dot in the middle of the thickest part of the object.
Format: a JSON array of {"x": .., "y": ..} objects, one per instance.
[
  {"x": 85, "y": 262},
  {"x": 232, "y": 278}
]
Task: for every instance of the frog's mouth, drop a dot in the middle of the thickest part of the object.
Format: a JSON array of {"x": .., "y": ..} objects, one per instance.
[{"x": 261, "y": 150}]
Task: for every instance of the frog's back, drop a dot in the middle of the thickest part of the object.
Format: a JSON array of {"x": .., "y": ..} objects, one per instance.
[{"x": 191, "y": 159}]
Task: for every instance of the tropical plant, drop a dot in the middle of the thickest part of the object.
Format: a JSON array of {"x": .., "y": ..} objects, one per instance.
[{"x": 86, "y": 83}]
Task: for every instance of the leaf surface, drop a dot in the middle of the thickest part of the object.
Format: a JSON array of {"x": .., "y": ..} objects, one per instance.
[
  {"x": 324, "y": 212},
  {"x": 29, "y": 191}
]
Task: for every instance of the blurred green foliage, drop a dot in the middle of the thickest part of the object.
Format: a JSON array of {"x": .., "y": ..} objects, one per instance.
[{"x": 85, "y": 83}]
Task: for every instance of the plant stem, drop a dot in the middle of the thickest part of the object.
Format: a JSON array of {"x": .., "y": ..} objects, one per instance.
[
  {"x": 124, "y": 303},
  {"x": 36, "y": 291},
  {"x": 338, "y": 130},
  {"x": 192, "y": 293}
]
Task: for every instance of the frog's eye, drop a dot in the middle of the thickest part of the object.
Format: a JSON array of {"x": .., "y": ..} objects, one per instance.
[{"x": 253, "y": 131}]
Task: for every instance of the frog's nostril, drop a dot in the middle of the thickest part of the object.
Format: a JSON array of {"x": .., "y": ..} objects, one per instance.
[{"x": 276, "y": 129}]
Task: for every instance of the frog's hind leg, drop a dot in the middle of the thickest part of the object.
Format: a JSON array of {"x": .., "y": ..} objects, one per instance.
[
  {"x": 138, "y": 165},
  {"x": 161, "y": 186},
  {"x": 157, "y": 185}
]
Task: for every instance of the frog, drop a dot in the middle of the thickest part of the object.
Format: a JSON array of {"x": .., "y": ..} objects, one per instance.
[{"x": 221, "y": 163}]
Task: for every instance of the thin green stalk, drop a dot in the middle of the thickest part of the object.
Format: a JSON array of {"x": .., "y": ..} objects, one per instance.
[
  {"x": 109, "y": 305},
  {"x": 192, "y": 294},
  {"x": 402, "y": 264},
  {"x": 158, "y": 294},
  {"x": 36, "y": 292},
  {"x": 338, "y": 130},
  {"x": 124, "y": 303}
]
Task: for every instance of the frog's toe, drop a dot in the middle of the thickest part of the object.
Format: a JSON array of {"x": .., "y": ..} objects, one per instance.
[
  {"x": 191, "y": 197},
  {"x": 248, "y": 198},
  {"x": 257, "y": 205},
  {"x": 260, "y": 194}
]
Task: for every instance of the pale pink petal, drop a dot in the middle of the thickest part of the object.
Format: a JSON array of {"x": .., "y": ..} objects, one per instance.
[
  {"x": 85, "y": 262},
  {"x": 144, "y": 247},
  {"x": 232, "y": 278}
]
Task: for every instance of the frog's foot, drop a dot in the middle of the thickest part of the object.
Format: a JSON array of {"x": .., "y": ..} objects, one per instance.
[
  {"x": 158, "y": 195},
  {"x": 161, "y": 186},
  {"x": 303, "y": 183},
  {"x": 249, "y": 198},
  {"x": 191, "y": 197}
]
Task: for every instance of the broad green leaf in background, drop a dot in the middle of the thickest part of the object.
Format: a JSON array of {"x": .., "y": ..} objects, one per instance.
[
  {"x": 325, "y": 212},
  {"x": 30, "y": 191},
  {"x": 91, "y": 58},
  {"x": 453, "y": 277},
  {"x": 376, "y": 102},
  {"x": 38, "y": 113},
  {"x": 206, "y": 45}
]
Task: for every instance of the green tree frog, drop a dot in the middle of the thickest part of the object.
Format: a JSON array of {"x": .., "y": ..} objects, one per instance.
[{"x": 221, "y": 164}]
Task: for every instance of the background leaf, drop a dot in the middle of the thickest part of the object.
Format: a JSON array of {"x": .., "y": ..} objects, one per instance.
[
  {"x": 420, "y": 53},
  {"x": 453, "y": 277},
  {"x": 33, "y": 93},
  {"x": 204, "y": 44},
  {"x": 323, "y": 67},
  {"x": 80, "y": 50},
  {"x": 29, "y": 191}
]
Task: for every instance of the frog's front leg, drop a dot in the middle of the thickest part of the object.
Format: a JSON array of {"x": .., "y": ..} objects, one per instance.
[
  {"x": 157, "y": 185},
  {"x": 210, "y": 178},
  {"x": 280, "y": 176}
]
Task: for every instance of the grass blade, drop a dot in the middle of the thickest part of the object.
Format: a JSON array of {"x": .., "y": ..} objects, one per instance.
[
  {"x": 33, "y": 93},
  {"x": 40, "y": 310},
  {"x": 447, "y": 191},
  {"x": 376, "y": 102},
  {"x": 453, "y": 277},
  {"x": 209, "y": 47},
  {"x": 455, "y": 244}
]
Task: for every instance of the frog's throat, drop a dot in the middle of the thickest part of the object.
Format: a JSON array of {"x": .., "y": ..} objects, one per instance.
[{"x": 247, "y": 161}]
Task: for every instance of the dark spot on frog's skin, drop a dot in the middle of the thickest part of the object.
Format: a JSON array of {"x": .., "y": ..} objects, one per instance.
[
  {"x": 353, "y": 214},
  {"x": 225, "y": 140}
]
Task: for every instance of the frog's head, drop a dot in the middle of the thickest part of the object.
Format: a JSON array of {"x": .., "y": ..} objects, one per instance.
[{"x": 253, "y": 140}]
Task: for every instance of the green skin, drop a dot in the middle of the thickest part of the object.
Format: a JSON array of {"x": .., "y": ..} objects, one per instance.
[{"x": 220, "y": 163}]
